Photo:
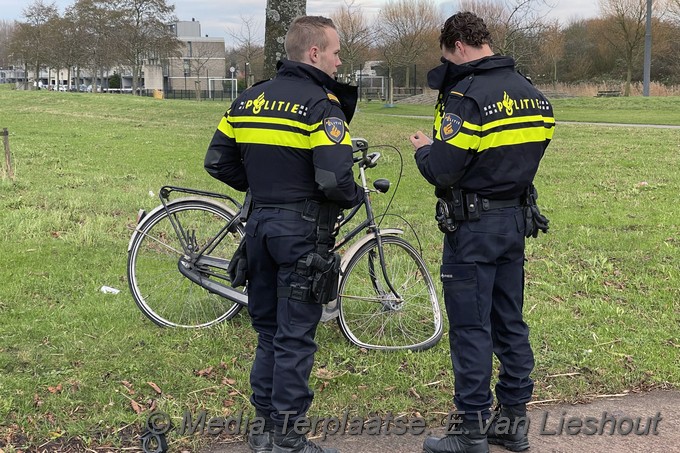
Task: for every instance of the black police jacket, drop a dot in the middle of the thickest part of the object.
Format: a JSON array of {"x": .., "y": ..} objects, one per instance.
[
  {"x": 491, "y": 129},
  {"x": 287, "y": 139}
]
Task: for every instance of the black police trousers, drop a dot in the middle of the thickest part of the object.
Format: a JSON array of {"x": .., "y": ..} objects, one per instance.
[
  {"x": 276, "y": 239},
  {"x": 482, "y": 276}
]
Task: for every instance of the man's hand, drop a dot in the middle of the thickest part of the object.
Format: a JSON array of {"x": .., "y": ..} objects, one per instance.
[{"x": 418, "y": 140}]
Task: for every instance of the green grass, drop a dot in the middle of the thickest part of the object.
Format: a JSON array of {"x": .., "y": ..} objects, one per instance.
[
  {"x": 601, "y": 295},
  {"x": 626, "y": 110}
]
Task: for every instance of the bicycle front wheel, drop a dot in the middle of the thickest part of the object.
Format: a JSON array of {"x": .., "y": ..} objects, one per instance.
[
  {"x": 163, "y": 294},
  {"x": 372, "y": 316}
]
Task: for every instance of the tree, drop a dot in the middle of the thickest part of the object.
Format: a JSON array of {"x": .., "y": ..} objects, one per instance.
[
  {"x": 356, "y": 35},
  {"x": 552, "y": 47},
  {"x": 198, "y": 56},
  {"x": 65, "y": 50},
  {"x": 407, "y": 28},
  {"x": 514, "y": 25},
  {"x": 248, "y": 48},
  {"x": 584, "y": 57},
  {"x": 30, "y": 41},
  {"x": 6, "y": 31},
  {"x": 98, "y": 25},
  {"x": 280, "y": 14},
  {"x": 625, "y": 21},
  {"x": 144, "y": 34}
]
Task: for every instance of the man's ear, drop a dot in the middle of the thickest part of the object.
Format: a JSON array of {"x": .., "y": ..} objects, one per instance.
[{"x": 313, "y": 54}]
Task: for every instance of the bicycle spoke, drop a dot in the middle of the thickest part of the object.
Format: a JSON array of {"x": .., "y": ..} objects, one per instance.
[
  {"x": 372, "y": 317},
  {"x": 162, "y": 293}
]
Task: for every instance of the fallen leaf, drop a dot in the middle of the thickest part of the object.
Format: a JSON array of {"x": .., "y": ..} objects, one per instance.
[
  {"x": 136, "y": 407},
  {"x": 323, "y": 373},
  {"x": 156, "y": 388},
  {"x": 56, "y": 389},
  {"x": 228, "y": 403},
  {"x": 37, "y": 402},
  {"x": 228, "y": 381},
  {"x": 204, "y": 372}
]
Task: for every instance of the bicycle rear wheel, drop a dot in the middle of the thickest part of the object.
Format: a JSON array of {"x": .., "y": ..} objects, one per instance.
[
  {"x": 163, "y": 294},
  {"x": 371, "y": 316}
]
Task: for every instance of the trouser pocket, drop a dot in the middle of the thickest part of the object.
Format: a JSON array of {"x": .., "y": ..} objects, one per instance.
[{"x": 459, "y": 282}]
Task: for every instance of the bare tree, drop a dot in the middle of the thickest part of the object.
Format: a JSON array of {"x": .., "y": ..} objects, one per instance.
[
  {"x": 280, "y": 14},
  {"x": 674, "y": 10},
  {"x": 198, "y": 56},
  {"x": 7, "y": 29},
  {"x": 510, "y": 22},
  {"x": 356, "y": 35},
  {"x": 626, "y": 20},
  {"x": 248, "y": 48},
  {"x": 552, "y": 47},
  {"x": 406, "y": 29},
  {"x": 98, "y": 25},
  {"x": 30, "y": 41},
  {"x": 144, "y": 33},
  {"x": 65, "y": 50}
]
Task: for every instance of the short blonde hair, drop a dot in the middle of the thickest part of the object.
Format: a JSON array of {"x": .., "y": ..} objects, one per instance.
[{"x": 304, "y": 33}]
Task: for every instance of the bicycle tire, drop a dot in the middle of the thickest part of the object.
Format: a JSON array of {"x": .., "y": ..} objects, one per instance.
[
  {"x": 369, "y": 314},
  {"x": 160, "y": 291}
]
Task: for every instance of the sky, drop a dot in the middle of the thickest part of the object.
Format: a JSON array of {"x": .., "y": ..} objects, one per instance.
[{"x": 219, "y": 18}]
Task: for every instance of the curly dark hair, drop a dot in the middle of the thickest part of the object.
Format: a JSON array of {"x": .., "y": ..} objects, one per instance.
[{"x": 466, "y": 27}]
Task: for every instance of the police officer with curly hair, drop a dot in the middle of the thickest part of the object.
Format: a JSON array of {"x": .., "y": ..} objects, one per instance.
[
  {"x": 287, "y": 141},
  {"x": 490, "y": 132}
]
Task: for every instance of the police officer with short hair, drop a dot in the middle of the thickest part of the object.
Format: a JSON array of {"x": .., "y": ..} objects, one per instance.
[
  {"x": 490, "y": 132},
  {"x": 287, "y": 140}
]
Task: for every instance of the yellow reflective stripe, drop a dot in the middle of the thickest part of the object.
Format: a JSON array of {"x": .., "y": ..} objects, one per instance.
[
  {"x": 465, "y": 141},
  {"x": 273, "y": 120},
  {"x": 273, "y": 137},
  {"x": 320, "y": 138},
  {"x": 226, "y": 128},
  {"x": 516, "y": 120},
  {"x": 515, "y": 137},
  {"x": 264, "y": 136}
]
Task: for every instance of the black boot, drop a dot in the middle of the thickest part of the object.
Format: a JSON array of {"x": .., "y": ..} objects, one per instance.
[
  {"x": 261, "y": 443},
  {"x": 471, "y": 440},
  {"x": 509, "y": 428},
  {"x": 293, "y": 442},
  {"x": 264, "y": 442}
]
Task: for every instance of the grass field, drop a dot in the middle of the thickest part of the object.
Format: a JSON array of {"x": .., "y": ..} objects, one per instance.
[{"x": 82, "y": 369}]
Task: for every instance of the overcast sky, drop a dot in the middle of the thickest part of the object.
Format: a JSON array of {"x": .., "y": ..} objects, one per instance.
[{"x": 219, "y": 16}]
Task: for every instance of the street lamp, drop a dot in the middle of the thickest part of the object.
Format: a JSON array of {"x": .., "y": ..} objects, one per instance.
[
  {"x": 232, "y": 69},
  {"x": 247, "y": 64}
]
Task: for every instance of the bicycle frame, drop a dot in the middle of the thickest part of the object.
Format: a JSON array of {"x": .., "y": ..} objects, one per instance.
[{"x": 194, "y": 257}]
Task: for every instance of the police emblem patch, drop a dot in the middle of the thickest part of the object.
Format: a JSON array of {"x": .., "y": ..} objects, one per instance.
[
  {"x": 335, "y": 129},
  {"x": 451, "y": 125}
]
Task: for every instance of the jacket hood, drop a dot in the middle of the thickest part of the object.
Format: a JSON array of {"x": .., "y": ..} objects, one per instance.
[
  {"x": 346, "y": 94},
  {"x": 448, "y": 73}
]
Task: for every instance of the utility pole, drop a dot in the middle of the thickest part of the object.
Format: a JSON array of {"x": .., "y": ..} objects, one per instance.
[{"x": 648, "y": 51}]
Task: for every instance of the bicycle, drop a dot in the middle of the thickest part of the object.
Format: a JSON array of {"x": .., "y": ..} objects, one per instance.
[{"x": 179, "y": 253}]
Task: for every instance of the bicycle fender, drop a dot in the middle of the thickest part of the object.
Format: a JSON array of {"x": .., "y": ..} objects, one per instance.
[
  {"x": 150, "y": 215},
  {"x": 330, "y": 310}
]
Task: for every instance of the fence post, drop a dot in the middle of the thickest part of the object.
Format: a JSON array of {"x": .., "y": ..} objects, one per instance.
[{"x": 8, "y": 156}]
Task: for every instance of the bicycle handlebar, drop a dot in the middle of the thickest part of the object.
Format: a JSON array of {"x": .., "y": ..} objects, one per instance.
[{"x": 369, "y": 160}]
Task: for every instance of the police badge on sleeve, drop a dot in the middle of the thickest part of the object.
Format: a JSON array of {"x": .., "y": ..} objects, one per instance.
[
  {"x": 335, "y": 129},
  {"x": 451, "y": 125}
]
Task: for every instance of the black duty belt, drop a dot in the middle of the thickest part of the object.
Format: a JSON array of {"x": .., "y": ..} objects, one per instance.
[
  {"x": 488, "y": 204},
  {"x": 309, "y": 209}
]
